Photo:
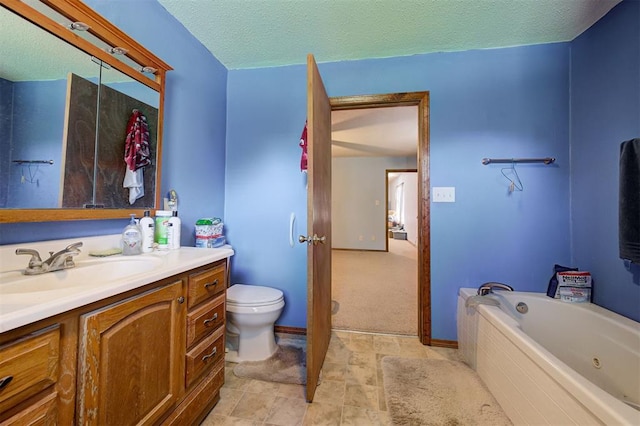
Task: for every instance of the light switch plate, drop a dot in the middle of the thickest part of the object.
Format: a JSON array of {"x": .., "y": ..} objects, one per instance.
[{"x": 443, "y": 194}]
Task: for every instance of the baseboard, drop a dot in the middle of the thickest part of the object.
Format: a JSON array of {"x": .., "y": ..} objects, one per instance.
[
  {"x": 290, "y": 330},
  {"x": 357, "y": 249},
  {"x": 453, "y": 344}
]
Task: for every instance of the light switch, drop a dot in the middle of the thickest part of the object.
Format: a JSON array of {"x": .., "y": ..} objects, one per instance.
[{"x": 443, "y": 194}]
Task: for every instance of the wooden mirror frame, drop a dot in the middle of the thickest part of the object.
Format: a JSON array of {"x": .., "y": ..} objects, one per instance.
[{"x": 76, "y": 10}]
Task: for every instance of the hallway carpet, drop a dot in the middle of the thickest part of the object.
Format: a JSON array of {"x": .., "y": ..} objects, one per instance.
[{"x": 376, "y": 292}]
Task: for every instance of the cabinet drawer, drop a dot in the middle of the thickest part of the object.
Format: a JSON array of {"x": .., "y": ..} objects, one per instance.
[
  {"x": 200, "y": 401},
  {"x": 28, "y": 366},
  {"x": 43, "y": 412},
  {"x": 205, "y": 355},
  {"x": 205, "y": 319},
  {"x": 206, "y": 284}
]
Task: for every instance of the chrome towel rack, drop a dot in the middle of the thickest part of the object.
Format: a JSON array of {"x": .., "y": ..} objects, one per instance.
[
  {"x": 33, "y": 161},
  {"x": 546, "y": 160},
  {"x": 510, "y": 173}
]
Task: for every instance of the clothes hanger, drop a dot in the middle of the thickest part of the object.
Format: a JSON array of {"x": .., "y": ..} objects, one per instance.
[{"x": 516, "y": 183}]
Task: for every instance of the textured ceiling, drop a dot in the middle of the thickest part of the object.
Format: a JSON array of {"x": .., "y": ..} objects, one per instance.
[
  {"x": 375, "y": 132},
  {"x": 259, "y": 33}
]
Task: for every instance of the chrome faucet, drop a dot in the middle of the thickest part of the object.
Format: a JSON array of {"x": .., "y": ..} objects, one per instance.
[
  {"x": 56, "y": 261},
  {"x": 487, "y": 288}
]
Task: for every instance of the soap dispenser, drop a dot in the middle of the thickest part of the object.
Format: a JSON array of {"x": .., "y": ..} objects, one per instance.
[{"x": 132, "y": 238}]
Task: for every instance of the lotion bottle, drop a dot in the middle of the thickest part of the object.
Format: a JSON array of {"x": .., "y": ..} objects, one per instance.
[
  {"x": 131, "y": 238},
  {"x": 174, "y": 231},
  {"x": 147, "y": 226}
]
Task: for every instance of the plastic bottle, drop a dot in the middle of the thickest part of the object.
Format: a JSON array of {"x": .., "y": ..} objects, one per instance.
[
  {"x": 161, "y": 234},
  {"x": 131, "y": 238},
  {"x": 174, "y": 231},
  {"x": 147, "y": 226}
]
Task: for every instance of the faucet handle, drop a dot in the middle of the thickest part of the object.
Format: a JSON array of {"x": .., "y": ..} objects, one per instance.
[
  {"x": 35, "y": 260},
  {"x": 74, "y": 246},
  {"x": 488, "y": 287}
]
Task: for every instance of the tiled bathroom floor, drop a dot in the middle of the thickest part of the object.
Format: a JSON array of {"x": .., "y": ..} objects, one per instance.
[{"x": 350, "y": 390}]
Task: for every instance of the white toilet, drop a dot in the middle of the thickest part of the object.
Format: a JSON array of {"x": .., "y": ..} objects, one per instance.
[{"x": 251, "y": 312}]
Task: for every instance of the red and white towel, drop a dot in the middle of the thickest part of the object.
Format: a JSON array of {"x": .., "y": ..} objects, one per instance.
[
  {"x": 136, "y": 155},
  {"x": 303, "y": 145}
]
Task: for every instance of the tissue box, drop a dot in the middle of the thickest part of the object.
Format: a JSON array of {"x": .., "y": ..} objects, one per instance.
[
  {"x": 209, "y": 232},
  {"x": 209, "y": 227}
]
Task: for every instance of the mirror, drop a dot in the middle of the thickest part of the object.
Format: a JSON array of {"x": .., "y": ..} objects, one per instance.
[
  {"x": 45, "y": 171},
  {"x": 94, "y": 175}
]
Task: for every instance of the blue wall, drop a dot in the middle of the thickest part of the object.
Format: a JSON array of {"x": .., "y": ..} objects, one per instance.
[
  {"x": 6, "y": 114},
  {"x": 25, "y": 137},
  {"x": 265, "y": 117},
  {"x": 491, "y": 103},
  {"x": 37, "y": 134},
  {"x": 605, "y": 110},
  {"x": 194, "y": 124}
]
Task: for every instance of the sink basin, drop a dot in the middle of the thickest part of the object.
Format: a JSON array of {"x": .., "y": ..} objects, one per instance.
[{"x": 87, "y": 273}]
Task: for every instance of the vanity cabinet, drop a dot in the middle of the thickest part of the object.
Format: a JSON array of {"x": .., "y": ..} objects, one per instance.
[
  {"x": 129, "y": 358},
  {"x": 204, "y": 356},
  {"x": 154, "y": 355}
]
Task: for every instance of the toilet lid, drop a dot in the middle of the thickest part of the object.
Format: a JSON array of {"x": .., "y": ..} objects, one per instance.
[{"x": 242, "y": 294}]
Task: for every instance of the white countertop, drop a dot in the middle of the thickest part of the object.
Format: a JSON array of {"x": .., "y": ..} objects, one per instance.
[{"x": 22, "y": 300}]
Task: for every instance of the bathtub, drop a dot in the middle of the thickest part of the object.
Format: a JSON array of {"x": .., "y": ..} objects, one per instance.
[{"x": 558, "y": 364}]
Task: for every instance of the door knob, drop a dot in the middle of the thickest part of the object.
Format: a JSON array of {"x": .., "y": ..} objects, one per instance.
[{"x": 309, "y": 240}]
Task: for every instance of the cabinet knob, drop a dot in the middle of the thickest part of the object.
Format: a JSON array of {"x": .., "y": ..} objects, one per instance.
[
  {"x": 213, "y": 284},
  {"x": 181, "y": 299},
  {"x": 5, "y": 381}
]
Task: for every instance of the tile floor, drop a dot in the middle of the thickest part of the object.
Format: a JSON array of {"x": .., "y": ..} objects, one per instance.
[{"x": 350, "y": 390}]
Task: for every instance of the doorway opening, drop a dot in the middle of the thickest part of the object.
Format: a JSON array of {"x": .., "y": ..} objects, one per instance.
[{"x": 422, "y": 301}]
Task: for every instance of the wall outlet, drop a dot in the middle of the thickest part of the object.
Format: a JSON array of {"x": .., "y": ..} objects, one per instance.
[{"x": 443, "y": 194}]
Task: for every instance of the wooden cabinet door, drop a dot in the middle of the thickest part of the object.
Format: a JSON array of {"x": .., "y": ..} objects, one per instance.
[{"x": 132, "y": 359}]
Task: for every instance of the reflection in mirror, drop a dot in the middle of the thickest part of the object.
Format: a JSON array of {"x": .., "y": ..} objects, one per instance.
[
  {"x": 48, "y": 111},
  {"x": 32, "y": 98},
  {"x": 106, "y": 181},
  {"x": 126, "y": 105}
]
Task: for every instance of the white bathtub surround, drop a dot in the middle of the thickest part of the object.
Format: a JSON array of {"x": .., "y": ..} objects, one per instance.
[
  {"x": 559, "y": 363},
  {"x": 26, "y": 299}
]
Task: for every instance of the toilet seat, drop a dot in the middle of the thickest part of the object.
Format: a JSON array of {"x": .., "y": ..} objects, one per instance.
[{"x": 242, "y": 295}]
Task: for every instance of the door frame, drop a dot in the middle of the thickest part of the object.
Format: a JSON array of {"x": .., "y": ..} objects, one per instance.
[{"x": 421, "y": 100}]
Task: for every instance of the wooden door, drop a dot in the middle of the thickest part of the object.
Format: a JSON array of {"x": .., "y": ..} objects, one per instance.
[
  {"x": 318, "y": 225},
  {"x": 132, "y": 359}
]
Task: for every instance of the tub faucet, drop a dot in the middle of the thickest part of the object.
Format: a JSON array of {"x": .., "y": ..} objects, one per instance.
[
  {"x": 56, "y": 261},
  {"x": 487, "y": 288}
]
